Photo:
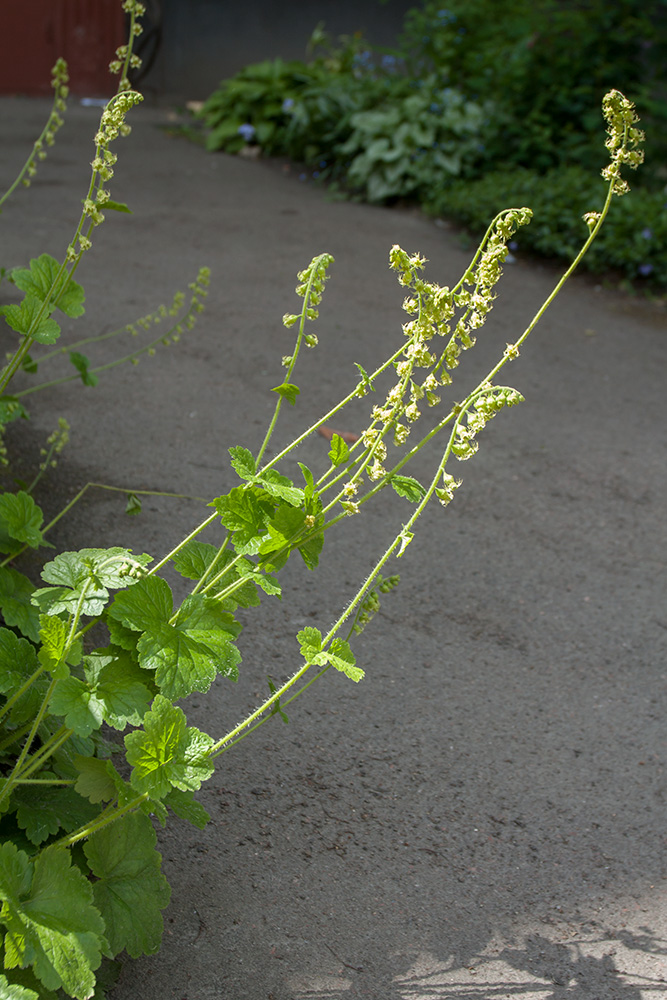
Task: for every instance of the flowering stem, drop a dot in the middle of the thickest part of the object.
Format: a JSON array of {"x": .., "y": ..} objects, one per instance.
[{"x": 295, "y": 354}]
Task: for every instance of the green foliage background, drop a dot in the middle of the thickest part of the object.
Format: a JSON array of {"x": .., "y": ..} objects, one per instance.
[{"x": 481, "y": 104}]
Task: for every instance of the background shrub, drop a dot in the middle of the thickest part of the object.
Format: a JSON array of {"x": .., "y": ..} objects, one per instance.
[
  {"x": 482, "y": 103},
  {"x": 634, "y": 242}
]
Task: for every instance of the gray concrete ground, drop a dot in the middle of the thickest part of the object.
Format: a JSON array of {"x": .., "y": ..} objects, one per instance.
[{"x": 484, "y": 816}]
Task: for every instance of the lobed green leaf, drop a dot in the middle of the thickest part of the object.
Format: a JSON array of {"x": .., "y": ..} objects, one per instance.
[
  {"x": 18, "y": 662},
  {"x": 339, "y": 654},
  {"x": 106, "y": 567},
  {"x": 146, "y": 605},
  {"x": 288, "y": 391},
  {"x": 408, "y": 487},
  {"x": 188, "y": 654},
  {"x": 310, "y": 640},
  {"x": 20, "y": 521},
  {"x": 186, "y": 807},
  {"x": 39, "y": 280},
  {"x": 281, "y": 487},
  {"x": 130, "y": 889},
  {"x": 243, "y": 462},
  {"x": 82, "y": 580},
  {"x": 24, "y": 318},
  {"x": 82, "y": 364},
  {"x": 15, "y": 602},
  {"x": 246, "y": 512},
  {"x": 50, "y": 919},
  {"x": 167, "y": 753},
  {"x": 43, "y": 810},
  {"x": 342, "y": 658},
  {"x": 54, "y": 653},
  {"x": 339, "y": 451},
  {"x": 12, "y": 991},
  {"x": 194, "y": 559},
  {"x": 95, "y": 782}
]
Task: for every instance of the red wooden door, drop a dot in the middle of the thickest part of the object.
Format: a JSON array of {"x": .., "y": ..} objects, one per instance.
[{"x": 33, "y": 33}]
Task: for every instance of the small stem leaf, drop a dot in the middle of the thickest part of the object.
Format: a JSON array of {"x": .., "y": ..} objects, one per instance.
[
  {"x": 405, "y": 537},
  {"x": 339, "y": 654},
  {"x": 310, "y": 481},
  {"x": 366, "y": 381},
  {"x": 39, "y": 279},
  {"x": 133, "y": 505},
  {"x": 130, "y": 889},
  {"x": 20, "y": 521},
  {"x": 50, "y": 919},
  {"x": 243, "y": 462},
  {"x": 408, "y": 487},
  {"x": 167, "y": 753},
  {"x": 23, "y": 319},
  {"x": 339, "y": 452},
  {"x": 310, "y": 640},
  {"x": 284, "y": 528},
  {"x": 275, "y": 708},
  {"x": 288, "y": 391},
  {"x": 281, "y": 486},
  {"x": 53, "y": 633},
  {"x": 265, "y": 581},
  {"x": 342, "y": 658},
  {"x": 15, "y": 602},
  {"x": 311, "y": 548},
  {"x": 116, "y": 206},
  {"x": 186, "y": 807},
  {"x": 82, "y": 365}
]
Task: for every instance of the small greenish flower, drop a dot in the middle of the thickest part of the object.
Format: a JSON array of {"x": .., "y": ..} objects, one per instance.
[{"x": 445, "y": 493}]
